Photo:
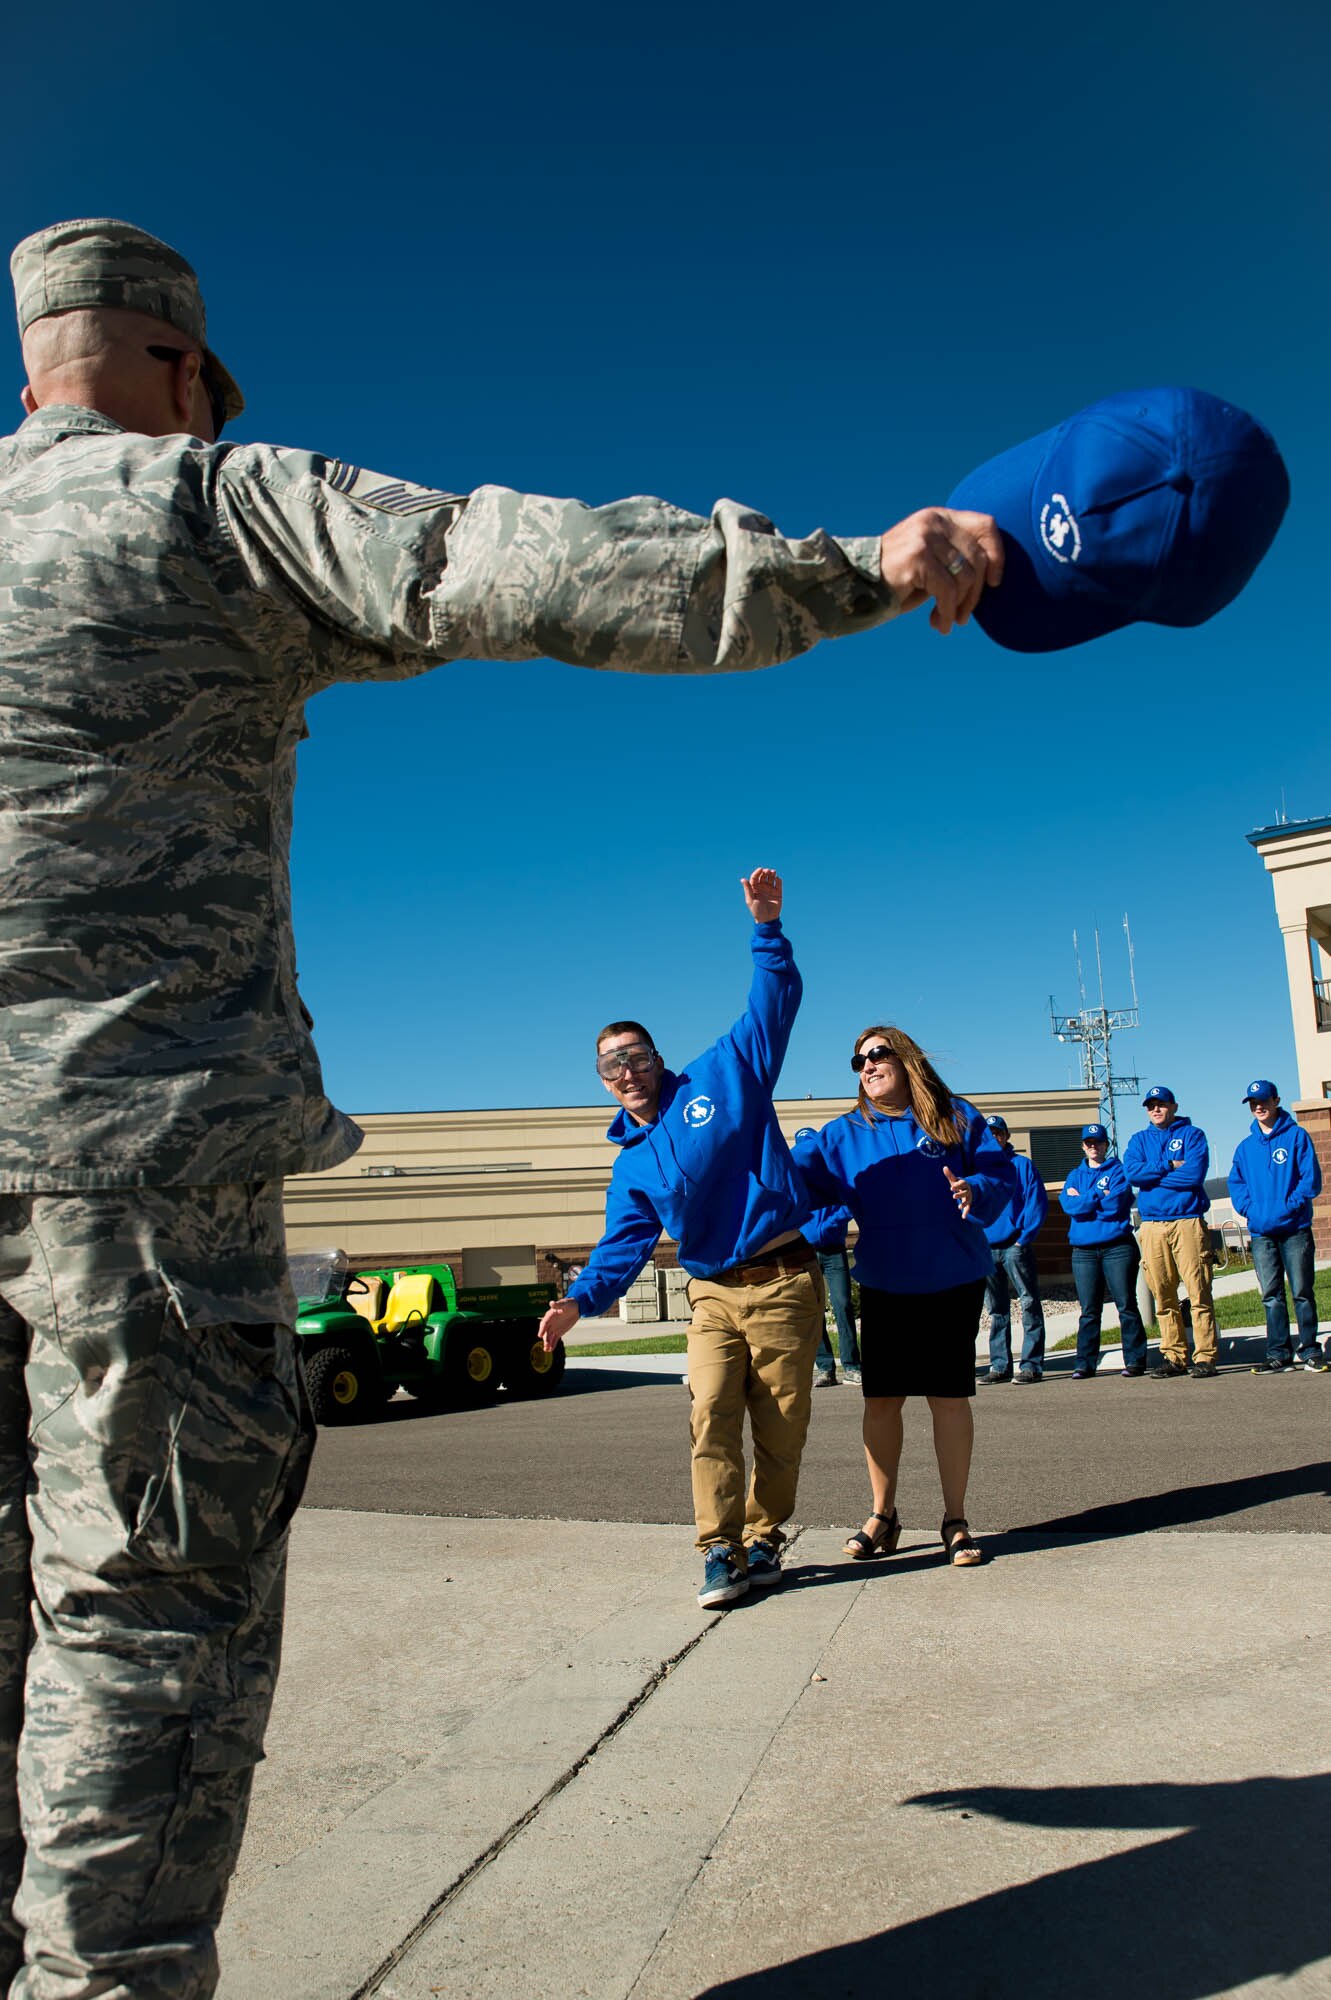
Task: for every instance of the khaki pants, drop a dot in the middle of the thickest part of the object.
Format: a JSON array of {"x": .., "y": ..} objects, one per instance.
[
  {"x": 1174, "y": 1251},
  {"x": 751, "y": 1347}
]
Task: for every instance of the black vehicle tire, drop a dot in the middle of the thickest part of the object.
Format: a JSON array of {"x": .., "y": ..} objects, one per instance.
[
  {"x": 470, "y": 1371},
  {"x": 341, "y": 1387},
  {"x": 528, "y": 1369}
]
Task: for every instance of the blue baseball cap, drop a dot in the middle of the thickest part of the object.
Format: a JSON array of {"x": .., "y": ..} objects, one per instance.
[
  {"x": 996, "y": 1122},
  {"x": 1261, "y": 1087},
  {"x": 1094, "y": 1132},
  {"x": 1159, "y": 1093},
  {"x": 806, "y": 1132},
  {"x": 1155, "y": 505}
]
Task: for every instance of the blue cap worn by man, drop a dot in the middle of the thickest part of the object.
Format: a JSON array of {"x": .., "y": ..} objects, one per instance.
[
  {"x": 1097, "y": 1201},
  {"x": 1011, "y": 1237},
  {"x": 1153, "y": 505},
  {"x": 1167, "y": 1163},
  {"x": 1273, "y": 1183},
  {"x": 168, "y": 604},
  {"x": 703, "y": 1158}
]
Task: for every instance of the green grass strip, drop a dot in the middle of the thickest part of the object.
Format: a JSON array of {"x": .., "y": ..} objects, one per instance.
[{"x": 660, "y": 1343}]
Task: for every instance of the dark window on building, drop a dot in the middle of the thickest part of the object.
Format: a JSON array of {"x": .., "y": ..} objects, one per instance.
[{"x": 1055, "y": 1151}]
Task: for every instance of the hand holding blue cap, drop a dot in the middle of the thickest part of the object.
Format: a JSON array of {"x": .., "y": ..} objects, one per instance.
[{"x": 1155, "y": 505}]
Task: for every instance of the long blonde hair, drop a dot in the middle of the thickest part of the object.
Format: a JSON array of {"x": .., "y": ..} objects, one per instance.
[{"x": 930, "y": 1098}]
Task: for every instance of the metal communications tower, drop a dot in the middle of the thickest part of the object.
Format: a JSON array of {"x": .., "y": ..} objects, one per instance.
[{"x": 1093, "y": 1029}]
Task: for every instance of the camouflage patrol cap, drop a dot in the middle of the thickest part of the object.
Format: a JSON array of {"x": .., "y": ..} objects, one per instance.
[{"x": 101, "y": 262}]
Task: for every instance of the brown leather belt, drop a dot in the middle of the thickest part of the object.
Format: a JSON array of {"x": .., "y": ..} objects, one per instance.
[{"x": 783, "y": 1263}]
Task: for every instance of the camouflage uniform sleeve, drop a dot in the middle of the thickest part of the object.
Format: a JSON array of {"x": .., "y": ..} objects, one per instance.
[{"x": 405, "y": 576}]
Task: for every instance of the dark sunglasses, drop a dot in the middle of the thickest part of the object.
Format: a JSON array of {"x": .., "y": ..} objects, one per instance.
[
  {"x": 880, "y": 1054},
  {"x": 216, "y": 398},
  {"x": 637, "y": 1057}
]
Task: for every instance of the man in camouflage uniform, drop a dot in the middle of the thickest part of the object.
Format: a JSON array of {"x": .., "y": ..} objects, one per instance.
[{"x": 167, "y": 606}]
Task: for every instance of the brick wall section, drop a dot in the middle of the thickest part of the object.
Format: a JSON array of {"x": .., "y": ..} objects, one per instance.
[{"x": 1316, "y": 1122}]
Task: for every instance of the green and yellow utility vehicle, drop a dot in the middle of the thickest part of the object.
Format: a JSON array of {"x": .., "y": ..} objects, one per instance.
[{"x": 364, "y": 1334}]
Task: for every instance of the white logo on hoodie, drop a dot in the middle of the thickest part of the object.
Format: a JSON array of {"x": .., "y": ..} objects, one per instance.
[
  {"x": 1280, "y": 1155},
  {"x": 699, "y": 1111}
]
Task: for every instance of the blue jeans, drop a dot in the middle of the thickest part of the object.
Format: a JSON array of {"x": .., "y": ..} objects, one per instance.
[
  {"x": 1098, "y": 1268},
  {"x": 1275, "y": 1258},
  {"x": 1014, "y": 1271},
  {"x": 836, "y": 1272}
]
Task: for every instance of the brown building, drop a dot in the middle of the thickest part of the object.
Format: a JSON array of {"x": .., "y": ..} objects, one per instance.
[{"x": 501, "y": 1194}]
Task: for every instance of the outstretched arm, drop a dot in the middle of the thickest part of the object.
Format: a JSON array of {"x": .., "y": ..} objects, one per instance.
[{"x": 390, "y": 578}]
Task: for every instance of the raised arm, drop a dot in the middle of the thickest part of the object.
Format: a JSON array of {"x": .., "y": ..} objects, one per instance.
[{"x": 761, "y": 1035}]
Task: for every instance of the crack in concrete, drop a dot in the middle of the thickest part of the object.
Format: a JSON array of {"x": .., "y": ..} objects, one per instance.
[{"x": 372, "y": 1985}]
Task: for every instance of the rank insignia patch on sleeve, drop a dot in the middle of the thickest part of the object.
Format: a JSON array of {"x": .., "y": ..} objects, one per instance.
[{"x": 390, "y": 496}]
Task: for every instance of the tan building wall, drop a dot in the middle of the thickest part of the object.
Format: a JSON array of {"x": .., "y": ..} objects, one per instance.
[
  {"x": 1298, "y": 860},
  {"x": 494, "y": 1192}
]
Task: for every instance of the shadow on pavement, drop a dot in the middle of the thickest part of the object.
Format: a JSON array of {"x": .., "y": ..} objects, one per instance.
[
  {"x": 1201, "y": 1913},
  {"x": 582, "y": 1382},
  {"x": 1180, "y": 1507}
]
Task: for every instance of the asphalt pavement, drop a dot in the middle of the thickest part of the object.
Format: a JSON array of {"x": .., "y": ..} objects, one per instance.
[{"x": 1243, "y": 1450}]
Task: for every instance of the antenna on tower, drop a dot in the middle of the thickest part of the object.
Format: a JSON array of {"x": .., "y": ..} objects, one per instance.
[{"x": 1092, "y": 1029}]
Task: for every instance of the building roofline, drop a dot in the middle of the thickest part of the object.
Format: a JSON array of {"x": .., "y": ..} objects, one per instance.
[{"x": 1288, "y": 829}]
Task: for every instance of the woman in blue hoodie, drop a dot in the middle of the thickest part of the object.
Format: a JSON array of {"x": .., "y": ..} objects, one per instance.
[{"x": 921, "y": 1173}]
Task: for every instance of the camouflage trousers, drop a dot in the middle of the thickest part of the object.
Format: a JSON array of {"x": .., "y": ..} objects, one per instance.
[{"x": 154, "y": 1441}]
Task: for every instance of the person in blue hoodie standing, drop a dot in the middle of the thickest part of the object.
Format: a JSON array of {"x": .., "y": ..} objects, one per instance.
[
  {"x": 1098, "y": 1202},
  {"x": 920, "y": 1172},
  {"x": 1011, "y": 1236},
  {"x": 1273, "y": 1184},
  {"x": 703, "y": 1158},
  {"x": 1167, "y": 1163}
]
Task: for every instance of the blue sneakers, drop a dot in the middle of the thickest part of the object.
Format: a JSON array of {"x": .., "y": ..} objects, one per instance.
[
  {"x": 722, "y": 1579},
  {"x": 764, "y": 1564}
]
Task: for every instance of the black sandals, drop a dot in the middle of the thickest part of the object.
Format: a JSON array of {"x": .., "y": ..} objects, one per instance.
[{"x": 865, "y": 1545}]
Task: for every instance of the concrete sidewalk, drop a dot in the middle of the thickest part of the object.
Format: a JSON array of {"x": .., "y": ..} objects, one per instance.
[{"x": 515, "y": 1759}]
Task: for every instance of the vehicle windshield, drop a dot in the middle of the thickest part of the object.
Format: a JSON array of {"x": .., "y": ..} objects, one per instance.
[{"x": 319, "y": 1274}]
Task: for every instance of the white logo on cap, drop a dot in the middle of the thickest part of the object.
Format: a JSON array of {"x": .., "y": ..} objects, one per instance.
[{"x": 1058, "y": 529}]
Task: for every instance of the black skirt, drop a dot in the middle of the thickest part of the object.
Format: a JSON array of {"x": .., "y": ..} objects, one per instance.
[{"x": 919, "y": 1343}]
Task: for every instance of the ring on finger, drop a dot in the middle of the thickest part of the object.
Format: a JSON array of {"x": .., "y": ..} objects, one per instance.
[{"x": 955, "y": 563}]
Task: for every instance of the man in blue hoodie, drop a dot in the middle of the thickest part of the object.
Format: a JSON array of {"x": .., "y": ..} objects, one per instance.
[
  {"x": 702, "y": 1157},
  {"x": 1273, "y": 1183},
  {"x": 1011, "y": 1237},
  {"x": 1097, "y": 1200},
  {"x": 1167, "y": 1164}
]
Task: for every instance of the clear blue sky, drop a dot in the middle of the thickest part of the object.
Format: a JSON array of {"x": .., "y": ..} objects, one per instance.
[{"x": 822, "y": 262}]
